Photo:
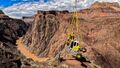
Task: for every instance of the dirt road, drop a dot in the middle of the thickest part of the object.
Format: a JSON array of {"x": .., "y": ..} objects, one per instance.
[{"x": 27, "y": 53}]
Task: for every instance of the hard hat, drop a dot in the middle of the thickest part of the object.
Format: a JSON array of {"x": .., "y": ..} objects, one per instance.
[{"x": 76, "y": 41}]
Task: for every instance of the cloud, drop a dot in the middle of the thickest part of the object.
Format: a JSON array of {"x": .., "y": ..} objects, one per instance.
[{"x": 28, "y": 9}]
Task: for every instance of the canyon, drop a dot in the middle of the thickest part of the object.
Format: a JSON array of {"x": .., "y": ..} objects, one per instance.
[{"x": 44, "y": 37}]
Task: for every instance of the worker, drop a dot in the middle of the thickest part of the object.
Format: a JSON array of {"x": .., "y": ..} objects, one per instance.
[{"x": 70, "y": 38}]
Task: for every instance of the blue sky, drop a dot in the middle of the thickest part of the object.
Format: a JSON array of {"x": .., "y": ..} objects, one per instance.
[
  {"x": 20, "y": 8},
  {"x": 6, "y": 3}
]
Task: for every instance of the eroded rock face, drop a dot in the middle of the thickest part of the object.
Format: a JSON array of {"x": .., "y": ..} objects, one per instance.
[
  {"x": 53, "y": 12},
  {"x": 43, "y": 29},
  {"x": 9, "y": 56},
  {"x": 105, "y": 4},
  {"x": 10, "y": 31},
  {"x": 47, "y": 35},
  {"x": 103, "y": 40}
]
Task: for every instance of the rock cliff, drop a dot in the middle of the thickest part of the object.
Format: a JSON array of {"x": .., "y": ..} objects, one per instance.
[
  {"x": 10, "y": 31},
  {"x": 44, "y": 35},
  {"x": 99, "y": 28}
]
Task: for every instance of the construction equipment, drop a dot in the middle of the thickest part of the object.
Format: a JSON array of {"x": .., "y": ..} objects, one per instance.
[
  {"x": 75, "y": 38},
  {"x": 76, "y": 47}
]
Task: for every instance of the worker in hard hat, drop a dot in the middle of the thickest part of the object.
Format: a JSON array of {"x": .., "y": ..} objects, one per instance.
[{"x": 70, "y": 38}]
